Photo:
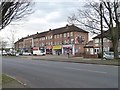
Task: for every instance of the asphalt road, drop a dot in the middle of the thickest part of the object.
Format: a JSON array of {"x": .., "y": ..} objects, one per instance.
[{"x": 49, "y": 74}]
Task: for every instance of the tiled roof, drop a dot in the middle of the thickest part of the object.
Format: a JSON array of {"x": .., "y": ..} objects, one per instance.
[
  {"x": 42, "y": 34},
  {"x": 89, "y": 45},
  {"x": 67, "y": 28},
  {"x": 20, "y": 40},
  {"x": 106, "y": 34}
]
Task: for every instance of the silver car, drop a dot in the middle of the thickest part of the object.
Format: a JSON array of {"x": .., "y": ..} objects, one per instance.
[{"x": 109, "y": 55}]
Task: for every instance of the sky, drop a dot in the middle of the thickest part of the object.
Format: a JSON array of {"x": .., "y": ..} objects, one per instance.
[{"x": 48, "y": 15}]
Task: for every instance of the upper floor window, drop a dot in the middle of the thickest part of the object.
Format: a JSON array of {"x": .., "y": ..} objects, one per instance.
[
  {"x": 96, "y": 40},
  {"x": 68, "y": 34},
  {"x": 54, "y": 43},
  {"x": 57, "y": 36},
  {"x": 46, "y": 37},
  {"x": 51, "y": 37},
  {"x": 64, "y": 34},
  {"x": 71, "y": 33},
  {"x": 104, "y": 39},
  {"x": 60, "y": 35},
  {"x": 51, "y": 43}
]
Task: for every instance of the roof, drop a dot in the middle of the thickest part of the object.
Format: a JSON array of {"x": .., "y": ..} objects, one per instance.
[
  {"x": 89, "y": 45},
  {"x": 67, "y": 28},
  {"x": 40, "y": 34},
  {"x": 20, "y": 40},
  {"x": 105, "y": 34}
]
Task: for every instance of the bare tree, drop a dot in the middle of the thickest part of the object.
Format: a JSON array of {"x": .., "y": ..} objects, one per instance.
[
  {"x": 109, "y": 18},
  {"x": 12, "y": 10},
  {"x": 3, "y": 44},
  {"x": 11, "y": 38}
]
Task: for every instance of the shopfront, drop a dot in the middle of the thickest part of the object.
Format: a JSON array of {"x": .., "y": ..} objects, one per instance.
[
  {"x": 68, "y": 48},
  {"x": 48, "y": 49},
  {"x": 57, "y": 49}
]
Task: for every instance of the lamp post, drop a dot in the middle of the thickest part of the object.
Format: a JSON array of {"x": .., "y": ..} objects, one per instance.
[
  {"x": 73, "y": 47},
  {"x": 101, "y": 23}
]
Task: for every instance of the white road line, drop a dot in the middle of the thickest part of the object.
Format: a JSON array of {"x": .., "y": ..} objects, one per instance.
[{"x": 85, "y": 70}]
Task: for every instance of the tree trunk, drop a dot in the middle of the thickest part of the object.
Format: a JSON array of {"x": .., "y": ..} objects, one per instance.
[
  {"x": 115, "y": 41},
  {"x": 115, "y": 46}
]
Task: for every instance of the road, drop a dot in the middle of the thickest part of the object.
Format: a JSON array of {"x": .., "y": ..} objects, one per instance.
[{"x": 49, "y": 74}]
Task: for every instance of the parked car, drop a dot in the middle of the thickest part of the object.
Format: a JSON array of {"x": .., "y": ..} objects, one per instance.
[
  {"x": 109, "y": 55},
  {"x": 11, "y": 53},
  {"x": 4, "y": 54},
  {"x": 26, "y": 53},
  {"x": 38, "y": 51}
]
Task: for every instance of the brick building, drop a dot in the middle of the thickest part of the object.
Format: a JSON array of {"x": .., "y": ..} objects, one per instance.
[
  {"x": 68, "y": 38},
  {"x": 94, "y": 47}
]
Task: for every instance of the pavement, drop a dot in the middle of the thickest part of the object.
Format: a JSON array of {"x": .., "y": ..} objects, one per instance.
[
  {"x": 49, "y": 74},
  {"x": 64, "y": 58}
]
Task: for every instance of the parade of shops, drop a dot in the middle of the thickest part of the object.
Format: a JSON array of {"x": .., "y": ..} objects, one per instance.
[{"x": 69, "y": 38}]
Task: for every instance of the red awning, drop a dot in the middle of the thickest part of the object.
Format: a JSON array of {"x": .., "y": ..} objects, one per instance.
[{"x": 35, "y": 48}]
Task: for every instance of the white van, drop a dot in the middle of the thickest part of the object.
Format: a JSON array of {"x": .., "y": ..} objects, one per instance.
[{"x": 38, "y": 51}]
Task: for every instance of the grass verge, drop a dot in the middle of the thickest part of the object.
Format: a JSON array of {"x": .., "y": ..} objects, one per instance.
[{"x": 9, "y": 82}]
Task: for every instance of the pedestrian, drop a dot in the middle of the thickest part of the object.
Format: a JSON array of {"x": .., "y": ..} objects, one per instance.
[
  {"x": 58, "y": 53},
  {"x": 68, "y": 54}
]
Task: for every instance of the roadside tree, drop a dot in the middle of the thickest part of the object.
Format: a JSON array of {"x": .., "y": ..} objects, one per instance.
[
  {"x": 94, "y": 13},
  {"x": 13, "y": 10}
]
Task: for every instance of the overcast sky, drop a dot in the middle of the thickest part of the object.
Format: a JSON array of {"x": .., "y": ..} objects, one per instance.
[{"x": 48, "y": 15}]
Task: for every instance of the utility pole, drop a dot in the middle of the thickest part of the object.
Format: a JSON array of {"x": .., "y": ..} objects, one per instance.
[{"x": 101, "y": 23}]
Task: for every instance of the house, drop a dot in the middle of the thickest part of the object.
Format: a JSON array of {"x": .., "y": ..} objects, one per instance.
[
  {"x": 107, "y": 43},
  {"x": 90, "y": 50}
]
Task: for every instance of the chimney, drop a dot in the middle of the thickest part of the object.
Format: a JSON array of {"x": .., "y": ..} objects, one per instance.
[
  {"x": 49, "y": 29},
  {"x": 37, "y": 32},
  {"x": 67, "y": 25}
]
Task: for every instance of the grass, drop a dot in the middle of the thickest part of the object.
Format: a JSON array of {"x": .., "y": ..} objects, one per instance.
[
  {"x": 6, "y": 79},
  {"x": 8, "y": 82}
]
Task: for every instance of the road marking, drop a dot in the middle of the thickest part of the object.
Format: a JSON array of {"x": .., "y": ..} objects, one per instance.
[{"x": 85, "y": 70}]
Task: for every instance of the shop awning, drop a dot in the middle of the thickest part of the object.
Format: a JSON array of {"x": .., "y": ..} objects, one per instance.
[{"x": 57, "y": 47}]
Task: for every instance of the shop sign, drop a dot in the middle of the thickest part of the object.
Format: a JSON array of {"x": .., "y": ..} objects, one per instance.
[
  {"x": 35, "y": 48},
  {"x": 57, "y": 47},
  {"x": 67, "y": 46},
  {"x": 48, "y": 47}
]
